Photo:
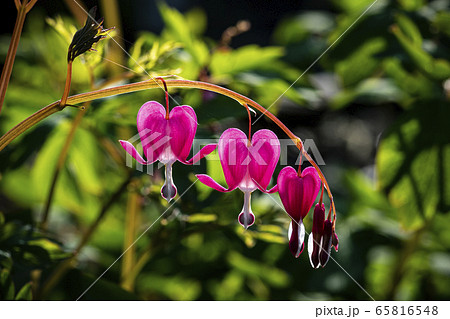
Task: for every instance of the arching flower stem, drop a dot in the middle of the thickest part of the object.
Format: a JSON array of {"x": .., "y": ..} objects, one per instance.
[
  {"x": 167, "y": 96},
  {"x": 152, "y": 84},
  {"x": 249, "y": 124},
  {"x": 299, "y": 170}
]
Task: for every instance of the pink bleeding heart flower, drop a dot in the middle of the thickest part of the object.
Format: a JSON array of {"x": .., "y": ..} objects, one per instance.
[
  {"x": 247, "y": 165},
  {"x": 166, "y": 138},
  {"x": 297, "y": 194}
]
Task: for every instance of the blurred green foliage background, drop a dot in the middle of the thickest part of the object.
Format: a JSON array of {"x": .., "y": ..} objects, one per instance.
[{"x": 376, "y": 105}]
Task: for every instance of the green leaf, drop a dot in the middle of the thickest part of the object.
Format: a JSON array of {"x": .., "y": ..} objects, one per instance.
[
  {"x": 364, "y": 192},
  {"x": 411, "y": 5},
  {"x": 438, "y": 69},
  {"x": 414, "y": 84},
  {"x": 362, "y": 63},
  {"x": 201, "y": 218},
  {"x": 270, "y": 92},
  {"x": 85, "y": 159},
  {"x": 379, "y": 272},
  {"x": 295, "y": 29},
  {"x": 442, "y": 22},
  {"x": 175, "y": 288},
  {"x": 351, "y": 6},
  {"x": 413, "y": 164},
  {"x": 54, "y": 250},
  {"x": 410, "y": 29},
  {"x": 272, "y": 275},
  {"x": 43, "y": 169},
  {"x": 25, "y": 293},
  {"x": 229, "y": 287},
  {"x": 6, "y": 285},
  {"x": 177, "y": 29},
  {"x": 196, "y": 20},
  {"x": 250, "y": 57}
]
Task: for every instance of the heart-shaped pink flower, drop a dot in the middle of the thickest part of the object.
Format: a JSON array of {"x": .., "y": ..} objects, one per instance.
[
  {"x": 166, "y": 139},
  {"x": 297, "y": 194},
  {"x": 247, "y": 165}
]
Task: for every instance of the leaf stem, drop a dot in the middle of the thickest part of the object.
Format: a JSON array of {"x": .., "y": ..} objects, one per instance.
[
  {"x": 64, "y": 266},
  {"x": 59, "y": 165},
  {"x": 65, "y": 149},
  {"x": 22, "y": 10},
  {"x": 131, "y": 221}
]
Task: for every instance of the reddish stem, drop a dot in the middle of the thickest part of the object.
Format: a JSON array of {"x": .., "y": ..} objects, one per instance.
[
  {"x": 66, "y": 92},
  {"x": 249, "y": 124},
  {"x": 321, "y": 197},
  {"x": 167, "y": 97},
  {"x": 299, "y": 171},
  {"x": 11, "y": 55}
]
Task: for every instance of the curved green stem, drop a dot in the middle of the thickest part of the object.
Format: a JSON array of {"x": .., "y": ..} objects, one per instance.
[
  {"x": 152, "y": 84},
  {"x": 134, "y": 87}
]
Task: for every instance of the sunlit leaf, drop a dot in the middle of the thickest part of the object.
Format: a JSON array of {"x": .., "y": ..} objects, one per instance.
[
  {"x": 411, "y": 164},
  {"x": 442, "y": 22},
  {"x": 361, "y": 63},
  {"x": 273, "y": 276},
  {"x": 250, "y": 57},
  {"x": 410, "y": 29},
  {"x": 435, "y": 68},
  {"x": 379, "y": 272},
  {"x": 201, "y": 218},
  {"x": 174, "y": 288}
]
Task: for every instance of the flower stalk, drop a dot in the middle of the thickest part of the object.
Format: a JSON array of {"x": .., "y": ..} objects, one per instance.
[{"x": 153, "y": 84}]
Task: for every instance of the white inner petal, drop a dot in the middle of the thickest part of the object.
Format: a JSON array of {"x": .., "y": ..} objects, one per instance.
[
  {"x": 247, "y": 184},
  {"x": 311, "y": 248},
  {"x": 300, "y": 234}
]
